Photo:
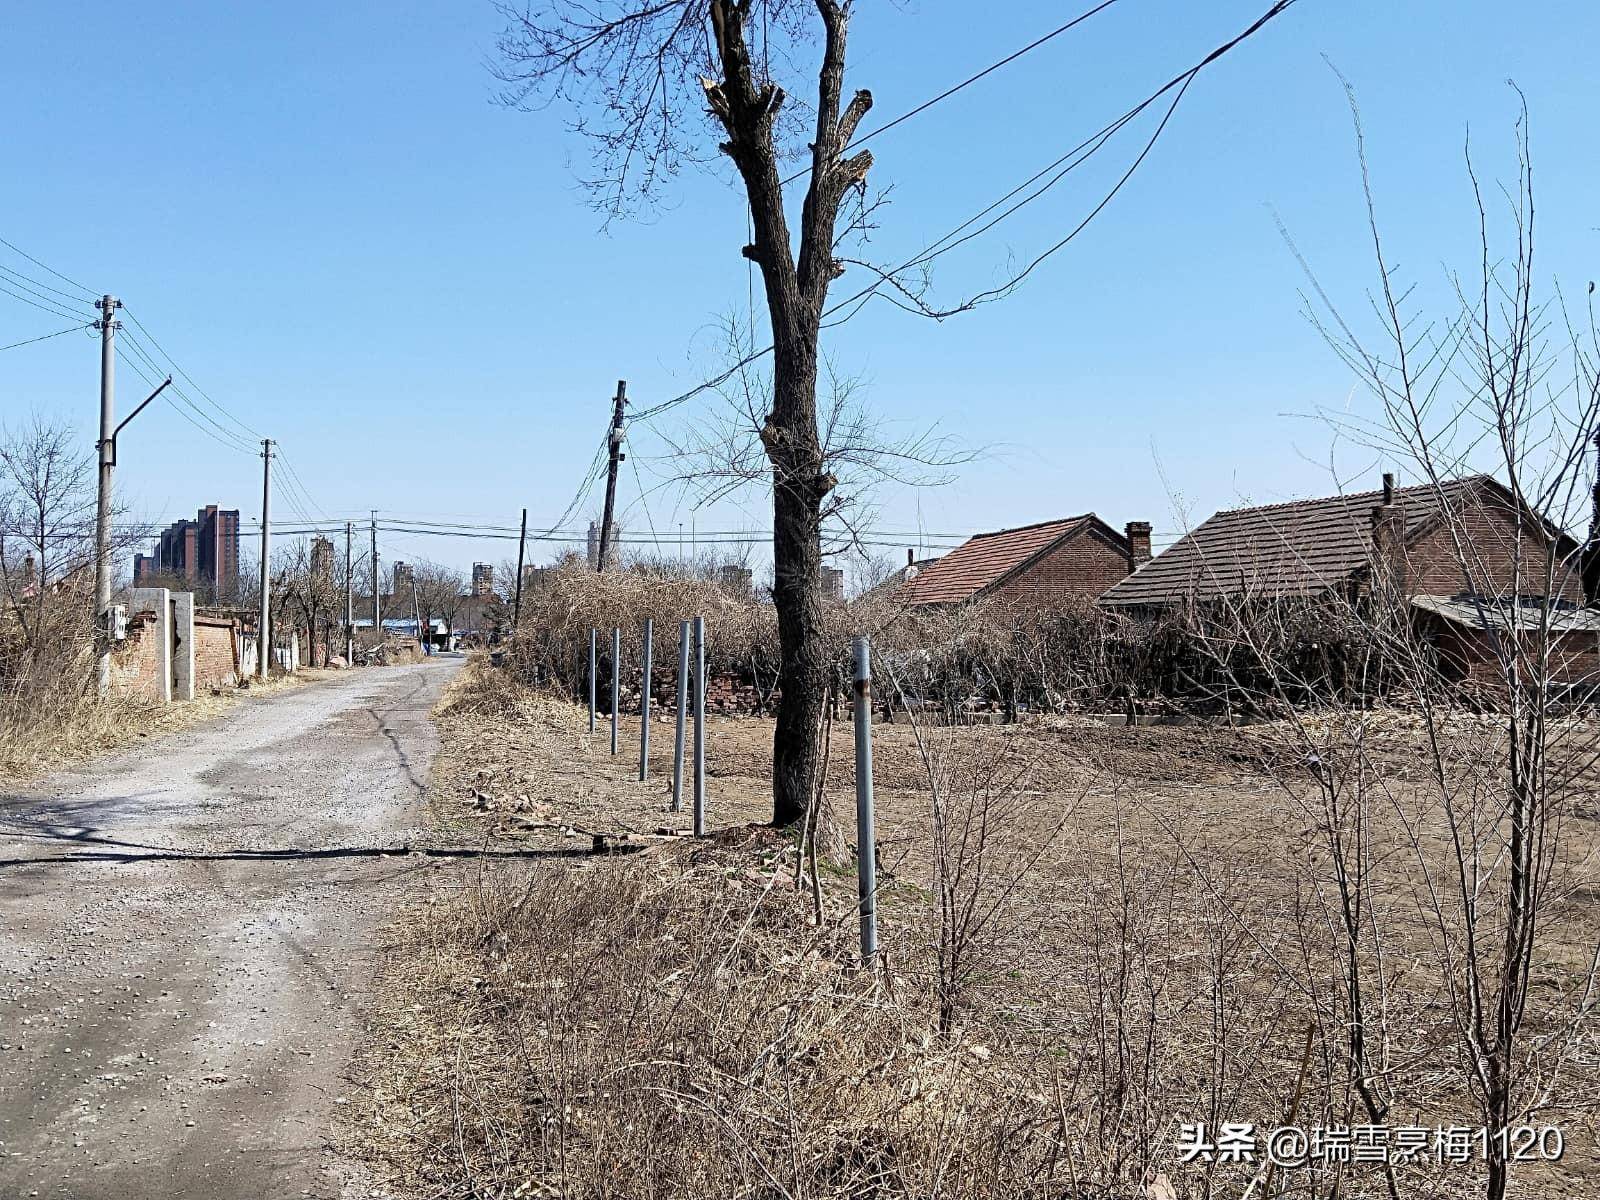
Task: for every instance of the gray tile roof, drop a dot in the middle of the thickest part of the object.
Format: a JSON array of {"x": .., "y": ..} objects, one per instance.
[{"x": 1300, "y": 548}]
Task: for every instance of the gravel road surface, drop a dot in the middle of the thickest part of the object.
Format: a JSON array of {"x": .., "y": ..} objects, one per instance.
[{"x": 186, "y": 937}]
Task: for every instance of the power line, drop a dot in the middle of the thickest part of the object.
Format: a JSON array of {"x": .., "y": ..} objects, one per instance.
[
  {"x": 47, "y": 336},
  {"x": 53, "y": 308},
  {"x": 139, "y": 325},
  {"x": 939, "y": 247},
  {"x": 89, "y": 293},
  {"x": 965, "y": 83}
]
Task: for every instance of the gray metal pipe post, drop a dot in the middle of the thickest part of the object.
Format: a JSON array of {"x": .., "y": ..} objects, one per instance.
[
  {"x": 699, "y": 726},
  {"x": 683, "y": 716},
  {"x": 866, "y": 839},
  {"x": 616, "y": 683},
  {"x": 644, "y": 703},
  {"x": 593, "y": 637}
]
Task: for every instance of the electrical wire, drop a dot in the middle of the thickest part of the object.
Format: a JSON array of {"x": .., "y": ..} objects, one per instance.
[
  {"x": 43, "y": 337},
  {"x": 178, "y": 370},
  {"x": 944, "y": 244},
  {"x": 86, "y": 291},
  {"x": 964, "y": 84}
]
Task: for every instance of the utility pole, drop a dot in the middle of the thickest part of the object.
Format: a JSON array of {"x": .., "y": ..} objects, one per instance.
[
  {"x": 617, "y": 456},
  {"x": 377, "y": 612},
  {"x": 264, "y": 622},
  {"x": 349, "y": 599},
  {"x": 416, "y": 609},
  {"x": 108, "y": 306},
  {"x": 516, "y": 604}
]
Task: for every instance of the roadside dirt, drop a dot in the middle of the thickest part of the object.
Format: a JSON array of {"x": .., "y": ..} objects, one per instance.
[{"x": 187, "y": 943}]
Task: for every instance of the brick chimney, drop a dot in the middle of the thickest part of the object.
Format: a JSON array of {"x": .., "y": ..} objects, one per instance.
[
  {"x": 1138, "y": 534},
  {"x": 1388, "y": 539}
]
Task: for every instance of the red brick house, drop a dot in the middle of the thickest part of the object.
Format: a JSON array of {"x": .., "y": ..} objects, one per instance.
[
  {"x": 1074, "y": 559},
  {"x": 1452, "y": 552}
]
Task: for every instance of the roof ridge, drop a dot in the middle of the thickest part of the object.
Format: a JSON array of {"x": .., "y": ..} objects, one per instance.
[
  {"x": 1034, "y": 525},
  {"x": 1409, "y": 489}
]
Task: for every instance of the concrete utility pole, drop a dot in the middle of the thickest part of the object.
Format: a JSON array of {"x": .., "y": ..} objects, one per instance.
[
  {"x": 108, "y": 306},
  {"x": 617, "y": 456},
  {"x": 264, "y": 622},
  {"x": 349, "y": 598},
  {"x": 516, "y": 604},
  {"x": 377, "y": 612}
]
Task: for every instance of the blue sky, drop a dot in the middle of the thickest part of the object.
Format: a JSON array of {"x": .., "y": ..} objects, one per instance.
[{"x": 318, "y": 210}]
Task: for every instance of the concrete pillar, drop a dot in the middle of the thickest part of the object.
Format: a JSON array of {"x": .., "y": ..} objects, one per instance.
[
  {"x": 158, "y": 601},
  {"x": 183, "y": 645}
]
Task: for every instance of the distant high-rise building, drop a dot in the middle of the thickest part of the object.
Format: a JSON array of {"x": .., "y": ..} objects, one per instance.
[
  {"x": 401, "y": 577},
  {"x": 613, "y": 545},
  {"x": 321, "y": 558},
  {"x": 833, "y": 584},
  {"x": 203, "y": 552},
  {"x": 482, "y": 579}
]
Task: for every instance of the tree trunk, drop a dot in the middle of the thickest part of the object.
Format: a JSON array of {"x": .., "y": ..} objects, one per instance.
[{"x": 796, "y": 290}]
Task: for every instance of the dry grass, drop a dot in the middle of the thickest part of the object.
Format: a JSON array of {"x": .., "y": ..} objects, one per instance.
[{"x": 675, "y": 1023}]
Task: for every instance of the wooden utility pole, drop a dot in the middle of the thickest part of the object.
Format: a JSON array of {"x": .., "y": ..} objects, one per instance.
[
  {"x": 617, "y": 456},
  {"x": 516, "y": 603}
]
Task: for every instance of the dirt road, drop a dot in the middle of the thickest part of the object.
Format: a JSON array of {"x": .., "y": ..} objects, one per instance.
[{"x": 185, "y": 941}]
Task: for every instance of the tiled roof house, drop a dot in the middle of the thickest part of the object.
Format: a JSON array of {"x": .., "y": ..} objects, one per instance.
[{"x": 1076, "y": 558}]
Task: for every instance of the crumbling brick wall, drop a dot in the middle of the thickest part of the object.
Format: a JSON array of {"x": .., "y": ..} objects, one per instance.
[
  {"x": 216, "y": 652},
  {"x": 134, "y": 663}
]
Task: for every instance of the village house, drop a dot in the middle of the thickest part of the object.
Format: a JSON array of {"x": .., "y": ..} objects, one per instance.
[
  {"x": 1070, "y": 560},
  {"x": 1452, "y": 553}
]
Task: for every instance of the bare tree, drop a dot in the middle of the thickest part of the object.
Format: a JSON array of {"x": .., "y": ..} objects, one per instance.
[{"x": 642, "y": 63}]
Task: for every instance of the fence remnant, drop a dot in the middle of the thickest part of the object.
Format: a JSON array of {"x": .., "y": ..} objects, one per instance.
[
  {"x": 866, "y": 839},
  {"x": 683, "y": 716},
  {"x": 699, "y": 726},
  {"x": 593, "y": 634},
  {"x": 616, "y": 683},
  {"x": 644, "y": 702}
]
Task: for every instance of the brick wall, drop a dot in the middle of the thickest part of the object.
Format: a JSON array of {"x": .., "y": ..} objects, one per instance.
[
  {"x": 1082, "y": 568},
  {"x": 133, "y": 663},
  {"x": 1433, "y": 567},
  {"x": 1467, "y": 656},
  {"x": 216, "y": 662}
]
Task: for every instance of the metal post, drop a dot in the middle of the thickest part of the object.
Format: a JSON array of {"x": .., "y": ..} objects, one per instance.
[
  {"x": 866, "y": 839},
  {"x": 349, "y": 597},
  {"x": 616, "y": 683},
  {"x": 683, "y": 716},
  {"x": 644, "y": 702},
  {"x": 264, "y": 621},
  {"x": 106, "y": 449},
  {"x": 699, "y": 726},
  {"x": 593, "y": 636},
  {"x": 377, "y": 603}
]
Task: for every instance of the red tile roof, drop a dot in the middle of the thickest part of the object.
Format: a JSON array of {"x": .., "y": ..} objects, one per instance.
[{"x": 982, "y": 561}]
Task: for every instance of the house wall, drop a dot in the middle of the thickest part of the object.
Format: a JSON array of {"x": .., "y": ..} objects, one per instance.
[
  {"x": 1433, "y": 569},
  {"x": 1467, "y": 656},
  {"x": 1082, "y": 568}
]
